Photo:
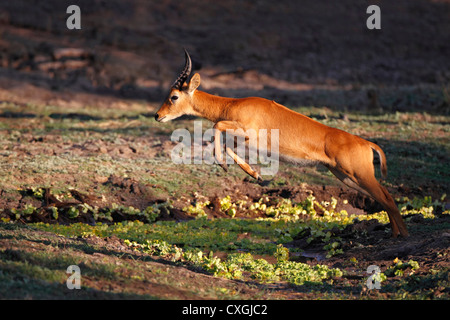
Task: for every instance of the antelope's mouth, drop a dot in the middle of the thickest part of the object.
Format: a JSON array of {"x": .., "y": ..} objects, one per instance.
[{"x": 161, "y": 119}]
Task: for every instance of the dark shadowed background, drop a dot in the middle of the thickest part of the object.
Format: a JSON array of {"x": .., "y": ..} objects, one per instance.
[{"x": 296, "y": 52}]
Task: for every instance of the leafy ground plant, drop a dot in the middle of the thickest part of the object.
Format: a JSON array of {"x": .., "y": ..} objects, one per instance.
[
  {"x": 128, "y": 190},
  {"x": 237, "y": 264},
  {"x": 226, "y": 248}
]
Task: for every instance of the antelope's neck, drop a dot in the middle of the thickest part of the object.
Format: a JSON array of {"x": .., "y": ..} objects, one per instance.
[{"x": 211, "y": 107}]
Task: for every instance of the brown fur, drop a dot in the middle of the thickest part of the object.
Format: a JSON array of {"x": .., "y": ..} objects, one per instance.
[{"x": 349, "y": 157}]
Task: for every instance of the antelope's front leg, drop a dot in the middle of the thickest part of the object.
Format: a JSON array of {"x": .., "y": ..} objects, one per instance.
[
  {"x": 244, "y": 165},
  {"x": 222, "y": 126},
  {"x": 218, "y": 148}
]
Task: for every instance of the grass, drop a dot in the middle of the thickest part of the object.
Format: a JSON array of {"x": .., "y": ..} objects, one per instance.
[
  {"x": 44, "y": 147},
  {"x": 34, "y": 266},
  {"x": 190, "y": 241},
  {"x": 37, "y": 255},
  {"x": 417, "y": 145}
]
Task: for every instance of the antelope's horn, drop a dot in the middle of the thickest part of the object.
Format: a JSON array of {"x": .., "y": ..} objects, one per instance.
[{"x": 184, "y": 74}]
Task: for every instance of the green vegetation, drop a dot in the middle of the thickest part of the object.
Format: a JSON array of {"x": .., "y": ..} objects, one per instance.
[
  {"x": 400, "y": 267},
  {"x": 190, "y": 241},
  {"x": 155, "y": 211},
  {"x": 74, "y": 211},
  {"x": 238, "y": 263}
]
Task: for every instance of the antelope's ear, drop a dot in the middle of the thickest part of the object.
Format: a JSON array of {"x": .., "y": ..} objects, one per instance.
[{"x": 194, "y": 83}]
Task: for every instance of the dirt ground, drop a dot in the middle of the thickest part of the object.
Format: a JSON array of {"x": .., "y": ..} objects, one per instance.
[{"x": 311, "y": 53}]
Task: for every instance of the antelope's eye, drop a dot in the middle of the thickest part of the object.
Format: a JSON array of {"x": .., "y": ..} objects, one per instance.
[{"x": 173, "y": 98}]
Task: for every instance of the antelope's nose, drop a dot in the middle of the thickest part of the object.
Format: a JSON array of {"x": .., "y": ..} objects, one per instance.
[{"x": 156, "y": 116}]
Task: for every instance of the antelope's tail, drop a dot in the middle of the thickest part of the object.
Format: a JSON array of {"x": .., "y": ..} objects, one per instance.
[{"x": 382, "y": 156}]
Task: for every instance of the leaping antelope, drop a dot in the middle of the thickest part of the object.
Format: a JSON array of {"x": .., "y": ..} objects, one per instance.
[{"x": 348, "y": 157}]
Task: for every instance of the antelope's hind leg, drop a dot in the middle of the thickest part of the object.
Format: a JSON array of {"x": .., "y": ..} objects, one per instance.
[
  {"x": 380, "y": 194},
  {"x": 369, "y": 186}
]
